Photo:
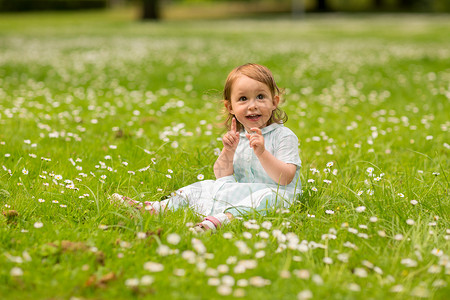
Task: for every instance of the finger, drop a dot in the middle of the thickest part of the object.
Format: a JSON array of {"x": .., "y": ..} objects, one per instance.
[
  {"x": 252, "y": 141},
  {"x": 227, "y": 141},
  {"x": 233, "y": 124},
  {"x": 256, "y": 130},
  {"x": 250, "y": 137},
  {"x": 233, "y": 139},
  {"x": 230, "y": 139},
  {"x": 237, "y": 137},
  {"x": 257, "y": 140}
]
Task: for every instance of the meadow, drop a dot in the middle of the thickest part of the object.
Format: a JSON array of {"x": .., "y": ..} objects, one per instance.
[{"x": 96, "y": 103}]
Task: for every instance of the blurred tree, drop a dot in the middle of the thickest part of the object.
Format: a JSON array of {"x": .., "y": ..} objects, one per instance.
[
  {"x": 322, "y": 6},
  {"x": 416, "y": 5},
  {"x": 150, "y": 10},
  {"x": 378, "y": 4},
  {"x": 298, "y": 8},
  {"x": 33, "y": 5},
  {"x": 405, "y": 4}
]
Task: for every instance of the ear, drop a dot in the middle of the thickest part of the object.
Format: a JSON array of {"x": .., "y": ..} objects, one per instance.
[
  {"x": 228, "y": 106},
  {"x": 276, "y": 101}
]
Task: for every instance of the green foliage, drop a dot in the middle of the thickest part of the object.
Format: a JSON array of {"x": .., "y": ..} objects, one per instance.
[
  {"x": 33, "y": 5},
  {"x": 94, "y": 104}
]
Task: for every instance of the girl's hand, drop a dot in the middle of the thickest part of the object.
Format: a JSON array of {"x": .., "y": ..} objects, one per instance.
[
  {"x": 231, "y": 139},
  {"x": 256, "y": 141}
]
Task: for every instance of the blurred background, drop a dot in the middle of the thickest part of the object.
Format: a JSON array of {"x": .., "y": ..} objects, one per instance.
[{"x": 195, "y": 9}]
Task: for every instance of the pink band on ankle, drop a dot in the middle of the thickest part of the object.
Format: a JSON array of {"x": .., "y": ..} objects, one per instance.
[
  {"x": 208, "y": 225},
  {"x": 214, "y": 220}
]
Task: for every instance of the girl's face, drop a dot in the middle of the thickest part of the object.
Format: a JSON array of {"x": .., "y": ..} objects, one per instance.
[{"x": 251, "y": 102}]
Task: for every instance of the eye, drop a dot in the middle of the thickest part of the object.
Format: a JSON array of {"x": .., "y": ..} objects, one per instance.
[
  {"x": 260, "y": 96},
  {"x": 243, "y": 98}
]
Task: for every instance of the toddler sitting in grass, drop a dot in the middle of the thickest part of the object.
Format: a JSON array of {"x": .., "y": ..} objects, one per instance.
[{"x": 258, "y": 168}]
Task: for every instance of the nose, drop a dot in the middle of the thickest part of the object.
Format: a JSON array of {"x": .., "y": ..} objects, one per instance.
[{"x": 252, "y": 104}]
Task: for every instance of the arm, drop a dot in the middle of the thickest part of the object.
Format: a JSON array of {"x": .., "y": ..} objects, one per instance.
[
  {"x": 281, "y": 172},
  {"x": 224, "y": 163}
]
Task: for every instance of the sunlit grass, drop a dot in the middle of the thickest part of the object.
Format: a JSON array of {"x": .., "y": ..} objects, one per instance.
[{"x": 102, "y": 104}]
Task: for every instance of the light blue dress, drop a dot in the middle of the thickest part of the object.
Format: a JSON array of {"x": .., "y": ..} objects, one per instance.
[{"x": 249, "y": 188}]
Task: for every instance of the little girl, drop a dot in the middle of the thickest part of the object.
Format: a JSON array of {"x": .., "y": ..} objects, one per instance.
[{"x": 258, "y": 168}]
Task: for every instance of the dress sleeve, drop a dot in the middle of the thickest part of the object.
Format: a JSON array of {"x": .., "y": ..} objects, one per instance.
[{"x": 286, "y": 149}]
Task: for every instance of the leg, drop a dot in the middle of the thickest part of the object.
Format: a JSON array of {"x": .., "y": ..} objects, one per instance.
[
  {"x": 117, "y": 198},
  {"x": 153, "y": 207},
  {"x": 213, "y": 222}
]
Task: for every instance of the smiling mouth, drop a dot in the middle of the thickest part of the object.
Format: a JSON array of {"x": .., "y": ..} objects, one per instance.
[{"x": 253, "y": 117}]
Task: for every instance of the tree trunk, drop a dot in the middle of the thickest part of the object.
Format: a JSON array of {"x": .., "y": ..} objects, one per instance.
[
  {"x": 150, "y": 10},
  {"x": 322, "y": 6},
  {"x": 378, "y": 4},
  {"x": 406, "y": 4}
]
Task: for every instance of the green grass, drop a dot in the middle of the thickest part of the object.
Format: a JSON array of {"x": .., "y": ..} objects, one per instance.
[{"x": 89, "y": 94}]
